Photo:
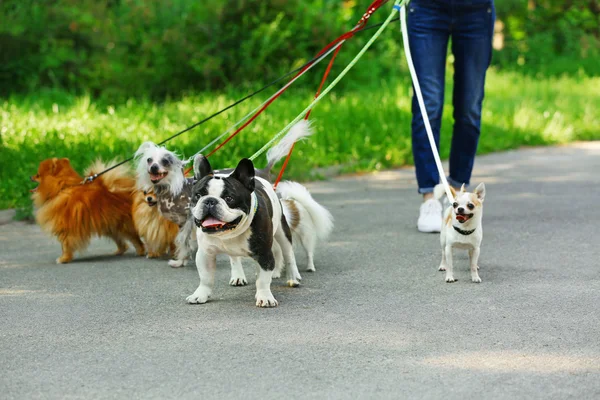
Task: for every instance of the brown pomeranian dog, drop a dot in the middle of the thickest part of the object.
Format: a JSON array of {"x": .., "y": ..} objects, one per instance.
[
  {"x": 158, "y": 232},
  {"x": 74, "y": 212}
]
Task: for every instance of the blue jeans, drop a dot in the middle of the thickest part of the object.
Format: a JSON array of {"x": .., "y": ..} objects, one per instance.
[{"x": 431, "y": 23}]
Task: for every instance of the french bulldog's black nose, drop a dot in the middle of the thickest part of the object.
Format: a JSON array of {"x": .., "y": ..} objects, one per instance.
[
  {"x": 154, "y": 169},
  {"x": 210, "y": 202},
  {"x": 460, "y": 210}
]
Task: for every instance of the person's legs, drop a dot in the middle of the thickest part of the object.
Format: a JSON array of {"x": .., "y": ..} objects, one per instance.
[
  {"x": 428, "y": 33},
  {"x": 472, "y": 33}
]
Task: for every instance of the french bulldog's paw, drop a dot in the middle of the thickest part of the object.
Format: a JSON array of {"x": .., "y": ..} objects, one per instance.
[
  {"x": 276, "y": 274},
  {"x": 176, "y": 263},
  {"x": 238, "y": 281},
  {"x": 476, "y": 279},
  {"x": 200, "y": 296},
  {"x": 265, "y": 299},
  {"x": 442, "y": 267},
  {"x": 450, "y": 279},
  {"x": 293, "y": 283},
  {"x": 311, "y": 268}
]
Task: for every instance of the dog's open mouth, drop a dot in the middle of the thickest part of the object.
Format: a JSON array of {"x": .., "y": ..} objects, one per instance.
[
  {"x": 211, "y": 224},
  {"x": 462, "y": 218},
  {"x": 155, "y": 178},
  {"x": 35, "y": 188},
  {"x": 151, "y": 203}
]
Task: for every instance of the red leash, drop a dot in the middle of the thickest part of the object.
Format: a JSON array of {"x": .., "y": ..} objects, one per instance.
[
  {"x": 361, "y": 23},
  {"x": 372, "y": 8}
]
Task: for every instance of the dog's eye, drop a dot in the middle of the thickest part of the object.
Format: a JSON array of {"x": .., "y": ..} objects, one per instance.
[
  {"x": 149, "y": 160},
  {"x": 228, "y": 199},
  {"x": 455, "y": 204},
  {"x": 166, "y": 162},
  {"x": 471, "y": 206},
  {"x": 145, "y": 193}
]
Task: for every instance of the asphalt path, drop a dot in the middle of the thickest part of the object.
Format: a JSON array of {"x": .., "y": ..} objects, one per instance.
[{"x": 376, "y": 320}]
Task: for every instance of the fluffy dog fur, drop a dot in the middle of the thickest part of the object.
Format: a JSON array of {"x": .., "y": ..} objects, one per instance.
[
  {"x": 74, "y": 212},
  {"x": 309, "y": 221},
  {"x": 462, "y": 228},
  {"x": 158, "y": 232}
]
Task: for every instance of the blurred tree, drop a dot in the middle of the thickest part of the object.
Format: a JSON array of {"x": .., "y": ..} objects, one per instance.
[{"x": 124, "y": 48}]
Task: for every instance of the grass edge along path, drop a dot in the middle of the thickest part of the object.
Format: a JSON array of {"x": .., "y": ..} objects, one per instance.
[{"x": 363, "y": 129}]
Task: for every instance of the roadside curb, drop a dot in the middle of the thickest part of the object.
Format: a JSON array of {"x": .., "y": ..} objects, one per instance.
[{"x": 7, "y": 216}]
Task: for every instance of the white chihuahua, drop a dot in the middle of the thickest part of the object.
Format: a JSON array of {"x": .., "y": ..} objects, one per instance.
[{"x": 462, "y": 228}]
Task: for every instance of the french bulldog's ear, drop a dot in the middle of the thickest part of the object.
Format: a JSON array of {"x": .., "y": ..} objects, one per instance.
[
  {"x": 143, "y": 147},
  {"x": 244, "y": 172},
  {"x": 462, "y": 188},
  {"x": 202, "y": 167},
  {"x": 480, "y": 191},
  {"x": 453, "y": 191}
]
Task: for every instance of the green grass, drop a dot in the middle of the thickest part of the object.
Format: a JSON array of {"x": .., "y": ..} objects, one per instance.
[{"x": 359, "y": 130}]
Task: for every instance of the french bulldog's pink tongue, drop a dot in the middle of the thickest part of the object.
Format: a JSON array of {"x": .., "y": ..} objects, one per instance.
[{"x": 210, "y": 222}]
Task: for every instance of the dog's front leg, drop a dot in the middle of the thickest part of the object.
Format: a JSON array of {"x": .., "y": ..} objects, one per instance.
[
  {"x": 474, "y": 257},
  {"x": 206, "y": 264},
  {"x": 264, "y": 297},
  {"x": 238, "y": 278},
  {"x": 449, "y": 274}
]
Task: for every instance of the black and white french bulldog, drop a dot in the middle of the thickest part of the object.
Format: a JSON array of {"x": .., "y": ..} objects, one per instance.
[{"x": 239, "y": 214}]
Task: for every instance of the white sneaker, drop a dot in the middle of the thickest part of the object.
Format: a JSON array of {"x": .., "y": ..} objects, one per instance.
[{"x": 430, "y": 216}]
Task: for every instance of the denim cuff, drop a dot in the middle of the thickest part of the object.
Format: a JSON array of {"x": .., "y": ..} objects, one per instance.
[
  {"x": 451, "y": 182},
  {"x": 457, "y": 184}
]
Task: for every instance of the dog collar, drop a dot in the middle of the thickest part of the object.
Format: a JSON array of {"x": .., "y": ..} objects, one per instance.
[
  {"x": 462, "y": 231},
  {"x": 255, "y": 202}
]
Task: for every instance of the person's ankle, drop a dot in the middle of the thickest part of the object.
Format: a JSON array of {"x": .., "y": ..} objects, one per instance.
[{"x": 427, "y": 196}]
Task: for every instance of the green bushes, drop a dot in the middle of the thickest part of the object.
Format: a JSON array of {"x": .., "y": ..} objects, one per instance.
[
  {"x": 137, "y": 48},
  {"x": 550, "y": 37}
]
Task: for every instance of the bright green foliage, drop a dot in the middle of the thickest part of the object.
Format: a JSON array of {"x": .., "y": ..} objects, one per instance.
[
  {"x": 120, "y": 49},
  {"x": 357, "y": 129}
]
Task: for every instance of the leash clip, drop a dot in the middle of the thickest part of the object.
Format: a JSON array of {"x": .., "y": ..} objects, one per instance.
[{"x": 89, "y": 179}]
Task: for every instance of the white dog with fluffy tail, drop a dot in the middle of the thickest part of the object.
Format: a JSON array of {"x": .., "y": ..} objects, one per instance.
[
  {"x": 309, "y": 221},
  {"x": 462, "y": 228}
]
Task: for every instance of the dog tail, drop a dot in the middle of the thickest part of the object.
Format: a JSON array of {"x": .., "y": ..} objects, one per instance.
[
  {"x": 322, "y": 220},
  {"x": 439, "y": 191},
  {"x": 119, "y": 179},
  {"x": 297, "y": 132}
]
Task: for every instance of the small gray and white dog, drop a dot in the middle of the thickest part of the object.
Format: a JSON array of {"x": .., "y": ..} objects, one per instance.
[
  {"x": 163, "y": 171},
  {"x": 239, "y": 214}
]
